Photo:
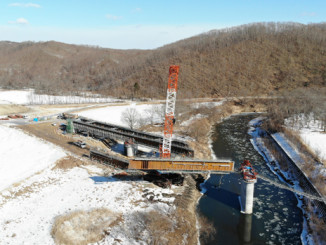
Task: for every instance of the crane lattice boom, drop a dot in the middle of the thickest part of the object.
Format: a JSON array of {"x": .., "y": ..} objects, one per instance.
[{"x": 169, "y": 111}]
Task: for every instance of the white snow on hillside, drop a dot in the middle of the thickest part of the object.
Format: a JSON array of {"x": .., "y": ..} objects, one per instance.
[
  {"x": 311, "y": 133},
  {"x": 29, "y": 217},
  {"x": 23, "y": 155},
  {"x": 29, "y": 97}
]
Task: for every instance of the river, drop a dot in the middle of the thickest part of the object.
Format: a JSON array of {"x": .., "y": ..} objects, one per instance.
[{"x": 276, "y": 218}]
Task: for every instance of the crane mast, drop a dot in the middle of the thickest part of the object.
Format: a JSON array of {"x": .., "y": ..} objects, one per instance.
[{"x": 169, "y": 110}]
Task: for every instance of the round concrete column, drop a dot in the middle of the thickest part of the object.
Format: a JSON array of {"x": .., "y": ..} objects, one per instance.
[{"x": 247, "y": 196}]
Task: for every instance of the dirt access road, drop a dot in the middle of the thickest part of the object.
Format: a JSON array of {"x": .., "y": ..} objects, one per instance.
[{"x": 53, "y": 134}]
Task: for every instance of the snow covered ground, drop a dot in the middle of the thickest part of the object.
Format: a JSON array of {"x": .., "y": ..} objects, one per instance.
[
  {"x": 257, "y": 141},
  {"x": 26, "y": 97},
  {"x": 312, "y": 134},
  {"x": 208, "y": 104},
  {"x": 153, "y": 112},
  {"x": 112, "y": 114},
  {"x": 32, "y": 194},
  {"x": 286, "y": 146},
  {"x": 23, "y": 155},
  {"x": 190, "y": 120},
  {"x": 28, "y": 218}
]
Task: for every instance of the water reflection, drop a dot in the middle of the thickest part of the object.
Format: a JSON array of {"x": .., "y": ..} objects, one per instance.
[{"x": 244, "y": 228}]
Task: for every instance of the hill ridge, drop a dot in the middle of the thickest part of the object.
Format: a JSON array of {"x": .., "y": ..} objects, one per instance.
[{"x": 244, "y": 60}]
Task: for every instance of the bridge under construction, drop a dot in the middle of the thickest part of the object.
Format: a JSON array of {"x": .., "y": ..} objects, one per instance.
[
  {"x": 106, "y": 130},
  {"x": 181, "y": 165}
]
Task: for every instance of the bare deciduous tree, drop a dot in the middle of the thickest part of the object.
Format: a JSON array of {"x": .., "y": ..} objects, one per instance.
[
  {"x": 155, "y": 114},
  {"x": 240, "y": 61},
  {"x": 131, "y": 117}
]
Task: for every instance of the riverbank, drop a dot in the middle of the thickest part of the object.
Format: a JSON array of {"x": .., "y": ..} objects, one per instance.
[
  {"x": 276, "y": 218},
  {"x": 280, "y": 163},
  {"x": 202, "y": 143}
]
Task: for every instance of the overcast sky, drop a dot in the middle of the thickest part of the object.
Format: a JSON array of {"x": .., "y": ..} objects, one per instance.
[{"x": 128, "y": 24}]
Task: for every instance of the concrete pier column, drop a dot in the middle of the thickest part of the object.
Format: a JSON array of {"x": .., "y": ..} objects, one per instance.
[
  {"x": 129, "y": 150},
  {"x": 247, "y": 196}
]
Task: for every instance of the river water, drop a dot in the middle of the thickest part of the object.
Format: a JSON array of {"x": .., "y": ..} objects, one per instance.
[{"x": 276, "y": 218}]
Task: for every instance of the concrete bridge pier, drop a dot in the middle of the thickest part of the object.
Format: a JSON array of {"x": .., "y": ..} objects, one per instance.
[{"x": 247, "y": 196}]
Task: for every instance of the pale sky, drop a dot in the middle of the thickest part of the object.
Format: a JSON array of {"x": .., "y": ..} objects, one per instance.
[{"x": 128, "y": 24}]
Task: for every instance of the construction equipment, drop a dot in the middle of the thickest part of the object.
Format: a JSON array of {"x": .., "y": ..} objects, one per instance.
[
  {"x": 169, "y": 111},
  {"x": 80, "y": 144},
  {"x": 248, "y": 172}
]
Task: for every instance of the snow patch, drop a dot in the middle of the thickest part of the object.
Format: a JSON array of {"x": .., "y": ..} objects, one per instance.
[
  {"x": 28, "y": 96},
  {"x": 311, "y": 132},
  {"x": 23, "y": 155},
  {"x": 30, "y": 216},
  {"x": 191, "y": 119},
  {"x": 112, "y": 114}
]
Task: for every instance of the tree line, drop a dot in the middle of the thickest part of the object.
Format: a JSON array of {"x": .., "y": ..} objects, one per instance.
[{"x": 245, "y": 60}]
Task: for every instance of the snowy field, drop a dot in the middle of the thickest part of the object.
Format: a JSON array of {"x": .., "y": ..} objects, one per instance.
[
  {"x": 112, "y": 114},
  {"x": 28, "y": 97},
  {"x": 32, "y": 194},
  {"x": 316, "y": 139},
  {"x": 23, "y": 155},
  {"x": 28, "y": 218},
  {"x": 147, "y": 112},
  {"x": 312, "y": 134}
]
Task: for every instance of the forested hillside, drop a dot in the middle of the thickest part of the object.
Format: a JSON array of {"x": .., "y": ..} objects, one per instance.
[{"x": 245, "y": 60}]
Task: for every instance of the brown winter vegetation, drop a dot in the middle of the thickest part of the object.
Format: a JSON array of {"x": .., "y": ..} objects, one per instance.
[
  {"x": 68, "y": 162},
  {"x": 175, "y": 227},
  {"x": 301, "y": 146},
  {"x": 199, "y": 129},
  {"x": 308, "y": 166},
  {"x": 82, "y": 227},
  {"x": 179, "y": 226},
  {"x": 299, "y": 106},
  {"x": 317, "y": 225},
  {"x": 13, "y": 109},
  {"x": 246, "y": 60},
  {"x": 53, "y": 134}
]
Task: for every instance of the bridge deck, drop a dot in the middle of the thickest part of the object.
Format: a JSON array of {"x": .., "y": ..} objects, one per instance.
[
  {"x": 181, "y": 165},
  {"x": 165, "y": 165},
  {"x": 104, "y": 130}
]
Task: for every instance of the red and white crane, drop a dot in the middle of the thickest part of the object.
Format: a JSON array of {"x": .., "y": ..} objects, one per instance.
[{"x": 169, "y": 111}]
